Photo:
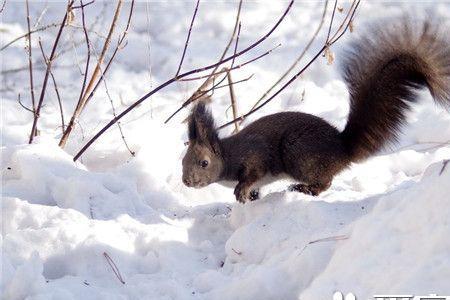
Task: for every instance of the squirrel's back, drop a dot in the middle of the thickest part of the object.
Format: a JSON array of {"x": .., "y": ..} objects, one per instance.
[{"x": 383, "y": 70}]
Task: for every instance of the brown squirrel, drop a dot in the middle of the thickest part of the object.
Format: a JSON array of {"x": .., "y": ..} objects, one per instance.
[{"x": 383, "y": 70}]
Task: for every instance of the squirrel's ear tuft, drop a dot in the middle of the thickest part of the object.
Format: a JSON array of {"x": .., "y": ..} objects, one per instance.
[
  {"x": 192, "y": 131},
  {"x": 201, "y": 127}
]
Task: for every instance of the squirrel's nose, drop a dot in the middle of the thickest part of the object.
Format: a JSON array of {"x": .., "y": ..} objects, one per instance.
[{"x": 186, "y": 182}]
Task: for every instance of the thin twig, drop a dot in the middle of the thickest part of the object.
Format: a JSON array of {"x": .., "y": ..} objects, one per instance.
[
  {"x": 47, "y": 72},
  {"x": 61, "y": 111},
  {"x": 83, "y": 5},
  {"x": 233, "y": 101},
  {"x": 122, "y": 135},
  {"x": 118, "y": 47},
  {"x": 113, "y": 267},
  {"x": 55, "y": 86},
  {"x": 30, "y": 59},
  {"x": 119, "y": 125},
  {"x": 85, "y": 96},
  {"x": 88, "y": 55},
  {"x": 43, "y": 28},
  {"x": 234, "y": 67},
  {"x": 21, "y": 104},
  {"x": 199, "y": 94},
  {"x": 212, "y": 75},
  {"x": 234, "y": 82},
  {"x": 236, "y": 44},
  {"x": 26, "y": 34},
  {"x": 332, "y": 19},
  {"x": 174, "y": 79},
  {"x": 327, "y": 239},
  {"x": 3, "y": 6},
  {"x": 41, "y": 15},
  {"x": 217, "y": 86},
  {"x": 326, "y": 46},
  {"x": 102, "y": 55},
  {"x": 296, "y": 62},
  {"x": 339, "y": 33},
  {"x": 187, "y": 38}
]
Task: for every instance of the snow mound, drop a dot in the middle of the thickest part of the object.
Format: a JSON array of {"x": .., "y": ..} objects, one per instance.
[
  {"x": 285, "y": 246},
  {"x": 113, "y": 226}
]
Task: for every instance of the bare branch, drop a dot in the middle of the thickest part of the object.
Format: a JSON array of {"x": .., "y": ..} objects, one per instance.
[
  {"x": 55, "y": 86},
  {"x": 85, "y": 96},
  {"x": 21, "y": 104},
  {"x": 102, "y": 55},
  {"x": 122, "y": 135},
  {"x": 118, "y": 47},
  {"x": 212, "y": 75},
  {"x": 350, "y": 15},
  {"x": 174, "y": 79},
  {"x": 234, "y": 67},
  {"x": 234, "y": 82},
  {"x": 47, "y": 72},
  {"x": 83, "y": 5},
  {"x": 61, "y": 111},
  {"x": 327, "y": 44},
  {"x": 216, "y": 86},
  {"x": 236, "y": 43},
  {"x": 26, "y": 34},
  {"x": 119, "y": 125},
  {"x": 296, "y": 62},
  {"x": 332, "y": 19},
  {"x": 187, "y": 38},
  {"x": 88, "y": 55},
  {"x": 30, "y": 59}
]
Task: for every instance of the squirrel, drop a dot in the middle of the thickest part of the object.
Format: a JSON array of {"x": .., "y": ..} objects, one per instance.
[{"x": 382, "y": 69}]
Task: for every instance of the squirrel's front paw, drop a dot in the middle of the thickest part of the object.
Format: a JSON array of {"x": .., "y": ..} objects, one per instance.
[{"x": 242, "y": 193}]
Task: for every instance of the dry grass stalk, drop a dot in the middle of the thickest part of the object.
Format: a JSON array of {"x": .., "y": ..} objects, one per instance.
[
  {"x": 84, "y": 97},
  {"x": 233, "y": 101}
]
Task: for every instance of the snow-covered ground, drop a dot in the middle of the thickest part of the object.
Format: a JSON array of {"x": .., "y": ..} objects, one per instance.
[{"x": 383, "y": 226}]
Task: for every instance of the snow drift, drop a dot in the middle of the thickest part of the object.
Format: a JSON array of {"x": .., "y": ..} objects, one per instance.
[{"x": 382, "y": 227}]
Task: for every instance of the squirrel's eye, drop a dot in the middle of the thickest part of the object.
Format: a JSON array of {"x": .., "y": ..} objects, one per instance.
[{"x": 204, "y": 163}]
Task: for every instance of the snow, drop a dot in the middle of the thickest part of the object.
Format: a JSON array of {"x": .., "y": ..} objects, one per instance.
[{"x": 382, "y": 227}]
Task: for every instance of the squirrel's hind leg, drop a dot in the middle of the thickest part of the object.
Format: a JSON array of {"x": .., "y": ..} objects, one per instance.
[{"x": 309, "y": 189}]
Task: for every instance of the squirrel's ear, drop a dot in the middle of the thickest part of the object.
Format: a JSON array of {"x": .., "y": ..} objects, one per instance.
[
  {"x": 192, "y": 131},
  {"x": 201, "y": 127}
]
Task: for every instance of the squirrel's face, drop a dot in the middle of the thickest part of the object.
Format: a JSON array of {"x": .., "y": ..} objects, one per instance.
[
  {"x": 201, "y": 166},
  {"x": 203, "y": 163}
]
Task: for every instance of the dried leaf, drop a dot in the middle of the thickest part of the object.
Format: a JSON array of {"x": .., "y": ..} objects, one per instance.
[
  {"x": 340, "y": 9},
  {"x": 329, "y": 55},
  {"x": 70, "y": 17}
]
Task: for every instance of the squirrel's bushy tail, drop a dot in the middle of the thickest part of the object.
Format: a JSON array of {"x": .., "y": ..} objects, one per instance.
[{"x": 383, "y": 70}]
